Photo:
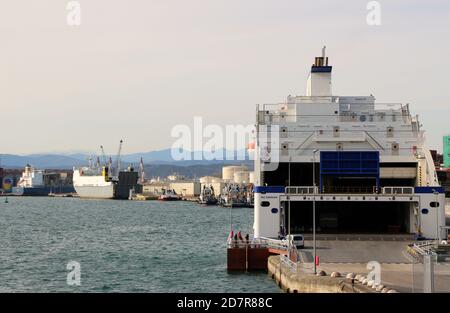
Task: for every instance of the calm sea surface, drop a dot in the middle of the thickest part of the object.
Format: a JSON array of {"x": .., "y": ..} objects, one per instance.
[{"x": 121, "y": 246}]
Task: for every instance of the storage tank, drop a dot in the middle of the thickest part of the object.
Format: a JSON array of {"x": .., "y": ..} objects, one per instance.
[
  {"x": 241, "y": 177},
  {"x": 210, "y": 179},
  {"x": 228, "y": 171}
]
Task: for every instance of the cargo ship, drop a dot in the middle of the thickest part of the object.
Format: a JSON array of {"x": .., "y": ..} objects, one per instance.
[
  {"x": 35, "y": 182},
  {"x": 105, "y": 182},
  {"x": 93, "y": 183}
]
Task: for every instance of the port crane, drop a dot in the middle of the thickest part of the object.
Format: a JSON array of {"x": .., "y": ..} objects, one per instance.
[
  {"x": 103, "y": 156},
  {"x": 118, "y": 158},
  {"x": 141, "y": 168}
]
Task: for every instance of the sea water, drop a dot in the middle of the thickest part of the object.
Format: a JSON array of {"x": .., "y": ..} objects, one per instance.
[{"x": 120, "y": 246}]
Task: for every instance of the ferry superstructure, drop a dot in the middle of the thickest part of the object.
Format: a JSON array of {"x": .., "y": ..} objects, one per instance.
[{"x": 365, "y": 166}]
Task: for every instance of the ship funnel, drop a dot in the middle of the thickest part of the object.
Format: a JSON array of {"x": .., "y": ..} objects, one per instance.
[{"x": 319, "y": 80}]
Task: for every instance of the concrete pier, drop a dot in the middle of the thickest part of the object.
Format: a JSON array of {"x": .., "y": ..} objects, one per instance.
[{"x": 301, "y": 282}]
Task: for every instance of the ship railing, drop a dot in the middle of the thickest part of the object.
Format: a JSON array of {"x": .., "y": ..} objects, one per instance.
[
  {"x": 397, "y": 190},
  {"x": 272, "y": 243},
  {"x": 299, "y": 190},
  {"x": 239, "y": 243},
  {"x": 419, "y": 250},
  {"x": 351, "y": 112},
  {"x": 261, "y": 242},
  {"x": 349, "y": 190},
  {"x": 394, "y": 190},
  {"x": 292, "y": 258},
  {"x": 382, "y": 106}
]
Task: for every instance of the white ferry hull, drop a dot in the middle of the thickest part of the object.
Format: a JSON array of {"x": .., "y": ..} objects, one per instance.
[{"x": 95, "y": 192}]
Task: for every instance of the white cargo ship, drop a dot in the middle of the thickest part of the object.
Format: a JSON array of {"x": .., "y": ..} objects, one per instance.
[
  {"x": 93, "y": 183},
  {"x": 105, "y": 182},
  {"x": 364, "y": 166}
]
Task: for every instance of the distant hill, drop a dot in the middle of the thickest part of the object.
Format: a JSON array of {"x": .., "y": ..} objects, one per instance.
[
  {"x": 61, "y": 161},
  {"x": 44, "y": 161}
]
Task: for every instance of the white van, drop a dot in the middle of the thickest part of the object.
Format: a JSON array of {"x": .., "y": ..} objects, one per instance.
[{"x": 297, "y": 240}]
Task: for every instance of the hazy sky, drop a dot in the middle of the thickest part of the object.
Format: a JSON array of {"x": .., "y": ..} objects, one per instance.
[{"x": 134, "y": 69}]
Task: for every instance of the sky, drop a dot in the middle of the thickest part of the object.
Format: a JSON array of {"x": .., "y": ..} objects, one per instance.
[{"x": 134, "y": 69}]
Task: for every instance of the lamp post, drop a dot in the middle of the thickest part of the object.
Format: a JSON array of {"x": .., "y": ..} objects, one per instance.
[
  {"x": 436, "y": 204},
  {"x": 314, "y": 209}
]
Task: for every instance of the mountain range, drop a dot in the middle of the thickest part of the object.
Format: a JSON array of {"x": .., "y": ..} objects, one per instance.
[{"x": 159, "y": 157}]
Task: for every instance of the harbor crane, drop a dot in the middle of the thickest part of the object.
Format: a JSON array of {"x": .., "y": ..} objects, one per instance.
[
  {"x": 118, "y": 158},
  {"x": 141, "y": 167},
  {"x": 103, "y": 156}
]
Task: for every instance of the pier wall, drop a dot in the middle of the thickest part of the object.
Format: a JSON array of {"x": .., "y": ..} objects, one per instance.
[{"x": 292, "y": 282}]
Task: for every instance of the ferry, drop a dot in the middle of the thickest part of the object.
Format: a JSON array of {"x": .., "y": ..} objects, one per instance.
[{"x": 365, "y": 166}]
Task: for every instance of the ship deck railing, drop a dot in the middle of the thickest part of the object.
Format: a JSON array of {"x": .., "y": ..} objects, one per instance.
[
  {"x": 387, "y": 190},
  {"x": 372, "y": 112},
  {"x": 261, "y": 242},
  {"x": 378, "y": 106}
]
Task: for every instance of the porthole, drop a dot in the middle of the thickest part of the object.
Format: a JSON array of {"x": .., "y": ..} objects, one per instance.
[
  {"x": 424, "y": 211},
  {"x": 274, "y": 210},
  {"x": 434, "y": 204},
  {"x": 265, "y": 203}
]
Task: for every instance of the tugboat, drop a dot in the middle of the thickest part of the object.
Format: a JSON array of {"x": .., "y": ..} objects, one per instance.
[
  {"x": 233, "y": 196},
  {"x": 207, "y": 196},
  {"x": 169, "y": 195}
]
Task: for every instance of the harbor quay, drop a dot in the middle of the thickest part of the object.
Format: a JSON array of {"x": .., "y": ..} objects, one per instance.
[{"x": 346, "y": 264}]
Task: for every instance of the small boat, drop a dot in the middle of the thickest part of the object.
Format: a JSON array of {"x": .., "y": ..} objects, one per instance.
[
  {"x": 233, "y": 196},
  {"x": 169, "y": 195},
  {"x": 207, "y": 196}
]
